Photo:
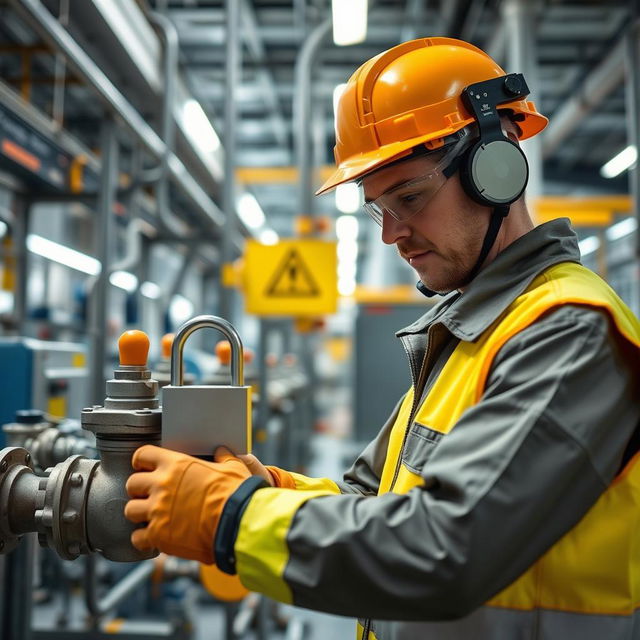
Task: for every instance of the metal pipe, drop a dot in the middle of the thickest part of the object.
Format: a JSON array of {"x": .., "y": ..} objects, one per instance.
[
  {"x": 99, "y": 607},
  {"x": 232, "y": 75},
  {"x": 302, "y": 113},
  {"x": 170, "y": 41},
  {"x": 632, "y": 60},
  {"x": 520, "y": 19},
  {"x": 212, "y": 322},
  {"x": 49, "y": 28},
  {"x": 99, "y": 288},
  {"x": 606, "y": 77}
]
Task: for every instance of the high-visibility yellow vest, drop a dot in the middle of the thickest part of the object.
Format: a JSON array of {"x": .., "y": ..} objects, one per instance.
[{"x": 595, "y": 567}]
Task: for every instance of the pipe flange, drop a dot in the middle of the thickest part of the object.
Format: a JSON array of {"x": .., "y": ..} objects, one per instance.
[
  {"x": 13, "y": 462},
  {"x": 43, "y": 445},
  {"x": 62, "y": 520}
]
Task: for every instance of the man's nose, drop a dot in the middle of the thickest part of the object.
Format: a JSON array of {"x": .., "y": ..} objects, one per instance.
[{"x": 392, "y": 229}]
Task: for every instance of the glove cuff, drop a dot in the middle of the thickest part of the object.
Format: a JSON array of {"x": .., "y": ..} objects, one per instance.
[
  {"x": 281, "y": 478},
  {"x": 229, "y": 524}
]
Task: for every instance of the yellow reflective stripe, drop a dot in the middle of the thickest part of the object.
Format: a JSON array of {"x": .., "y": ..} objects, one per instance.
[
  {"x": 360, "y": 631},
  {"x": 305, "y": 483},
  {"x": 261, "y": 547},
  {"x": 395, "y": 443}
]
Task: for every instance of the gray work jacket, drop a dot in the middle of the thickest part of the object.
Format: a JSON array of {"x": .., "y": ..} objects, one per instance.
[{"x": 382, "y": 558}]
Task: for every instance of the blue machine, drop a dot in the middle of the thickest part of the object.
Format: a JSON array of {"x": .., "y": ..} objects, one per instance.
[{"x": 36, "y": 374}]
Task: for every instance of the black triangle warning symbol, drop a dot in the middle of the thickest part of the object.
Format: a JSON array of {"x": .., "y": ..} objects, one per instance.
[{"x": 292, "y": 279}]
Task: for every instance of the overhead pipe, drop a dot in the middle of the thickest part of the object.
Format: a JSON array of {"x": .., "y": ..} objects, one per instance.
[
  {"x": 233, "y": 67},
  {"x": 632, "y": 60},
  {"x": 49, "y": 28},
  {"x": 606, "y": 77},
  {"x": 302, "y": 114}
]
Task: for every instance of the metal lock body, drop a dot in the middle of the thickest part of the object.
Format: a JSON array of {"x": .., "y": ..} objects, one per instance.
[{"x": 198, "y": 418}]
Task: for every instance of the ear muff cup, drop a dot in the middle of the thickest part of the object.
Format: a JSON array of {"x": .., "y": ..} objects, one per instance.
[{"x": 494, "y": 173}]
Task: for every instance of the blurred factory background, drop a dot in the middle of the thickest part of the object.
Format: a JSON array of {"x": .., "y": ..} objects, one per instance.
[{"x": 150, "y": 149}]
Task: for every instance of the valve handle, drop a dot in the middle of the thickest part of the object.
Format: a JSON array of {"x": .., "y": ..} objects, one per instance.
[{"x": 133, "y": 347}]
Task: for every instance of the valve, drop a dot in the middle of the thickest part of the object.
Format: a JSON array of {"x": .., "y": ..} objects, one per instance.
[
  {"x": 198, "y": 418},
  {"x": 77, "y": 507}
]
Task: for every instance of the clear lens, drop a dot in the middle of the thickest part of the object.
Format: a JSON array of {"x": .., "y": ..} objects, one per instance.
[{"x": 408, "y": 199}]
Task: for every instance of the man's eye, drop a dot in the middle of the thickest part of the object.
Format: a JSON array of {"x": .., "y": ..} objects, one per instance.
[{"x": 409, "y": 198}]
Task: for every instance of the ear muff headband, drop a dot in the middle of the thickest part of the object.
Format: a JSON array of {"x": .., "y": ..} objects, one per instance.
[{"x": 494, "y": 171}]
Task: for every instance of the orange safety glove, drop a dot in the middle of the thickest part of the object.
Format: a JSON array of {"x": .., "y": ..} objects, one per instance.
[
  {"x": 181, "y": 499},
  {"x": 275, "y": 476}
]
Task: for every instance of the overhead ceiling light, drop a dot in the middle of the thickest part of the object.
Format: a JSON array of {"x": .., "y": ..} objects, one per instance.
[
  {"x": 589, "y": 245},
  {"x": 63, "y": 255},
  {"x": 347, "y": 228},
  {"x": 199, "y": 127},
  {"x": 619, "y": 163},
  {"x": 124, "y": 280},
  {"x": 349, "y": 21},
  {"x": 180, "y": 310},
  {"x": 150, "y": 290},
  {"x": 250, "y": 211},
  {"x": 621, "y": 229},
  {"x": 269, "y": 236},
  {"x": 348, "y": 197}
]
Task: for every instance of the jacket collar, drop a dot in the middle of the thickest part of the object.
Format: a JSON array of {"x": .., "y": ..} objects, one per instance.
[{"x": 466, "y": 315}]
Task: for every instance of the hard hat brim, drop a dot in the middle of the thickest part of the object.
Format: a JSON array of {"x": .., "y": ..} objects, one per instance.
[{"x": 365, "y": 163}]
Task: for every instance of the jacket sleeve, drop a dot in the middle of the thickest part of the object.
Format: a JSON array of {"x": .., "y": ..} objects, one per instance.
[{"x": 539, "y": 437}]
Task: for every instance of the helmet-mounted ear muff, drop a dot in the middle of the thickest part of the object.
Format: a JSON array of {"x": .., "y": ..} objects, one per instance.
[{"x": 493, "y": 171}]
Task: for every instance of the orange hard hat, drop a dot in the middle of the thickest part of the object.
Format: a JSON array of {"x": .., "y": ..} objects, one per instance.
[{"x": 410, "y": 95}]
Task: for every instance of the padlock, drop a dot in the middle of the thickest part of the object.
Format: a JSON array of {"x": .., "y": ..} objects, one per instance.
[{"x": 198, "y": 418}]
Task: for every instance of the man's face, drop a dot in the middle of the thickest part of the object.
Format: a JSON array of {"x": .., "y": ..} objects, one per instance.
[{"x": 443, "y": 240}]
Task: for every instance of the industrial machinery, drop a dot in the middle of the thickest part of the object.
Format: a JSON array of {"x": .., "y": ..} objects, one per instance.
[
  {"x": 77, "y": 507},
  {"x": 75, "y": 503},
  {"x": 50, "y": 376}
]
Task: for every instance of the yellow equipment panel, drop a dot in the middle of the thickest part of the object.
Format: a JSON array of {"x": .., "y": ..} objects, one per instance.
[{"x": 291, "y": 278}]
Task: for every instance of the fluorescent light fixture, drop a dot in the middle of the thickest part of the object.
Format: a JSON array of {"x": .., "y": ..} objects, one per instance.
[
  {"x": 150, "y": 290},
  {"x": 124, "y": 280},
  {"x": 347, "y": 251},
  {"x": 347, "y": 269},
  {"x": 250, "y": 211},
  {"x": 199, "y": 127},
  {"x": 6, "y": 301},
  {"x": 3, "y": 229},
  {"x": 348, "y": 197},
  {"x": 346, "y": 286},
  {"x": 349, "y": 21},
  {"x": 589, "y": 245},
  {"x": 347, "y": 228},
  {"x": 619, "y": 163},
  {"x": 269, "y": 236},
  {"x": 621, "y": 229},
  {"x": 180, "y": 309},
  {"x": 63, "y": 255},
  {"x": 337, "y": 92}
]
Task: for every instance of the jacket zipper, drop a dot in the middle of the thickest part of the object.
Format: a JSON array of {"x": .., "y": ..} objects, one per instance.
[{"x": 417, "y": 393}]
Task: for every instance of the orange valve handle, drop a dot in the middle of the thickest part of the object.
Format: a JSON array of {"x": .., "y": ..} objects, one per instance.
[
  {"x": 223, "y": 351},
  {"x": 133, "y": 347},
  {"x": 166, "y": 343}
]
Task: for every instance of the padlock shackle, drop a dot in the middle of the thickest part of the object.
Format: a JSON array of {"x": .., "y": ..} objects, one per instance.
[{"x": 212, "y": 322}]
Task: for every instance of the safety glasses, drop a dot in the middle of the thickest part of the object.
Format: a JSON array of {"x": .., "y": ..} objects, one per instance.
[{"x": 406, "y": 200}]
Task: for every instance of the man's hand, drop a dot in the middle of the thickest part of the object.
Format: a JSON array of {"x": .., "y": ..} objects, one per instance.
[
  {"x": 181, "y": 499},
  {"x": 275, "y": 476}
]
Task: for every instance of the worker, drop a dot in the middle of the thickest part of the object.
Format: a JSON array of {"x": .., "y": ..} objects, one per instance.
[{"x": 501, "y": 499}]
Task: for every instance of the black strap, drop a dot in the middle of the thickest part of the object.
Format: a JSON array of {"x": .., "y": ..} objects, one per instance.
[
  {"x": 497, "y": 216},
  {"x": 229, "y": 524}
]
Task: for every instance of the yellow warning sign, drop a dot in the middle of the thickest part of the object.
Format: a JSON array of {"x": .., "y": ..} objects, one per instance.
[{"x": 293, "y": 277}]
